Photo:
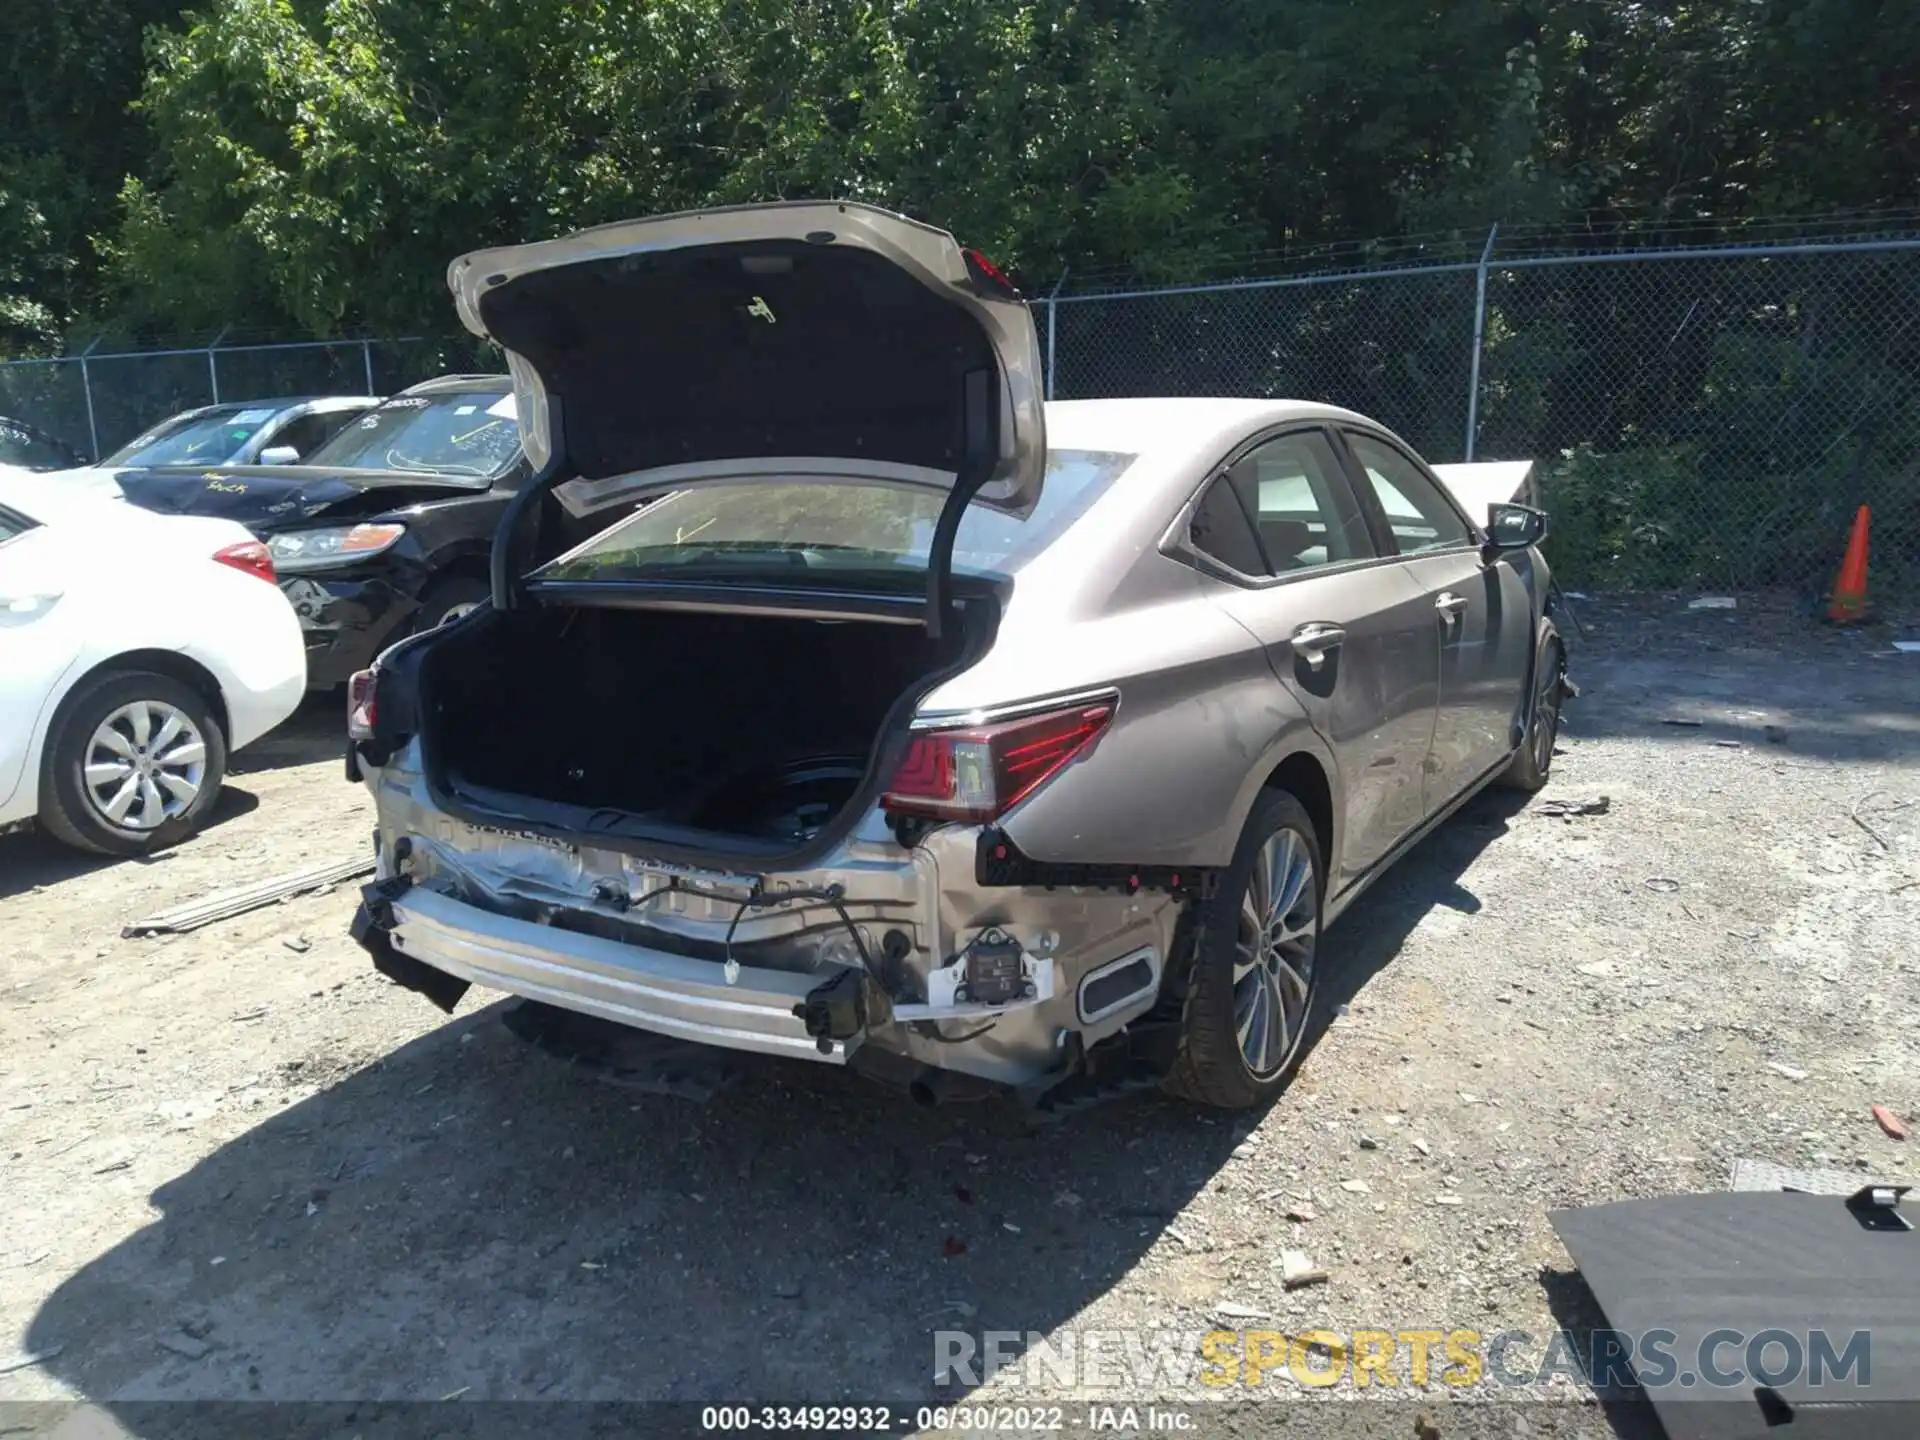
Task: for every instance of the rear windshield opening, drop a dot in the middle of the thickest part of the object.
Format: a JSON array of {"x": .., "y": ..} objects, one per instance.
[{"x": 833, "y": 527}]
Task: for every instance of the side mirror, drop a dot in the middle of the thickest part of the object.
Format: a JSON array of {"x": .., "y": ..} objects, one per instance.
[
  {"x": 279, "y": 455},
  {"x": 1514, "y": 527}
]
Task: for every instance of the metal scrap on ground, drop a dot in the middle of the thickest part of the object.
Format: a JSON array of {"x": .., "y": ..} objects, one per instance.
[{"x": 225, "y": 904}]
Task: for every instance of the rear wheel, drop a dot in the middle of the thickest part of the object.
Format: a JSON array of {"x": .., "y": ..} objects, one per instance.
[
  {"x": 135, "y": 761},
  {"x": 1533, "y": 761},
  {"x": 447, "y": 600},
  {"x": 1250, "y": 1001}
]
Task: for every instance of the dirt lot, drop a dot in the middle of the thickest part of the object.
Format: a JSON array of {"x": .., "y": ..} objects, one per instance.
[{"x": 239, "y": 1167}]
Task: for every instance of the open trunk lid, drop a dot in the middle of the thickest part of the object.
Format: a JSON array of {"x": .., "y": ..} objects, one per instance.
[{"x": 790, "y": 340}]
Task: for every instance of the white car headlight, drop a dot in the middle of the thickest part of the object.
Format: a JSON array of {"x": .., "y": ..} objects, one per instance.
[{"x": 296, "y": 550}]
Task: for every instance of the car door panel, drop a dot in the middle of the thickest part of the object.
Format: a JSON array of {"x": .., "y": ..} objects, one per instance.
[
  {"x": 1343, "y": 633},
  {"x": 1481, "y": 615},
  {"x": 1370, "y": 697},
  {"x": 38, "y": 647},
  {"x": 1484, "y": 651}
]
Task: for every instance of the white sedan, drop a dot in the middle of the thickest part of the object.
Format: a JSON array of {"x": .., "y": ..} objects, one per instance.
[{"x": 136, "y": 652}]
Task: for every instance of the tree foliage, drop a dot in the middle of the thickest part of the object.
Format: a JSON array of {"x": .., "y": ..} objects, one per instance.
[{"x": 313, "y": 164}]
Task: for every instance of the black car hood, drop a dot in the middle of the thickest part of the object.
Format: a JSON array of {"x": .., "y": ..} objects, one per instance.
[{"x": 276, "y": 497}]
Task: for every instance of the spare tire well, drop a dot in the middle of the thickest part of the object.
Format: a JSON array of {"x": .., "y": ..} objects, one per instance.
[
  {"x": 174, "y": 666},
  {"x": 1302, "y": 777}
]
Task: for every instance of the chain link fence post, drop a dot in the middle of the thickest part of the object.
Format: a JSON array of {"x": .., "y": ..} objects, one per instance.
[
  {"x": 1053, "y": 312},
  {"x": 1479, "y": 341},
  {"x": 86, "y": 385}
]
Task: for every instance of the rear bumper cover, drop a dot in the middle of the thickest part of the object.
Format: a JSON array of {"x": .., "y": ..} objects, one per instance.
[{"x": 652, "y": 989}]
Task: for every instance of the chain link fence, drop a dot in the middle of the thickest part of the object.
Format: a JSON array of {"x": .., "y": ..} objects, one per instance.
[
  {"x": 1701, "y": 418},
  {"x": 98, "y": 402}
]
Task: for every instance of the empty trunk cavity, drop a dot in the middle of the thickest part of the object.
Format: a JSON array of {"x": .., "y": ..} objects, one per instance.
[{"x": 739, "y": 733}]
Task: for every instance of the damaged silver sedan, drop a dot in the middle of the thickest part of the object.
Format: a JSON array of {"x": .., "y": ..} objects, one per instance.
[{"x": 838, "y": 699}]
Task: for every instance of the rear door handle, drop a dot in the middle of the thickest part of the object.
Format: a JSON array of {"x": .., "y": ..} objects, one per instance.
[
  {"x": 1312, "y": 642},
  {"x": 1450, "y": 605}
]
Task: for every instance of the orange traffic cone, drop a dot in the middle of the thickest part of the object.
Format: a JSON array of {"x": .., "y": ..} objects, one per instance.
[{"x": 1848, "y": 605}]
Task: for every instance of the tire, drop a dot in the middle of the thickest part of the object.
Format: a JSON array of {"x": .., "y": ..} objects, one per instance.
[
  {"x": 182, "y": 760},
  {"x": 447, "y": 600},
  {"x": 1533, "y": 761},
  {"x": 1214, "y": 1065}
]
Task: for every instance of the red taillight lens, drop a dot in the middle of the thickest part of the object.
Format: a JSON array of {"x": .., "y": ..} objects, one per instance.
[
  {"x": 980, "y": 773},
  {"x": 984, "y": 270},
  {"x": 251, "y": 556},
  {"x": 360, "y": 711}
]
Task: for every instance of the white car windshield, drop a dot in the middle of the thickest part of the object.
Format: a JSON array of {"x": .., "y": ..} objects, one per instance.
[
  {"x": 469, "y": 433},
  {"x": 816, "y": 525},
  {"x": 205, "y": 437}
]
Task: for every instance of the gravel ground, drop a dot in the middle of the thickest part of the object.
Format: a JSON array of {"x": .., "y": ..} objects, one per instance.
[{"x": 237, "y": 1164}]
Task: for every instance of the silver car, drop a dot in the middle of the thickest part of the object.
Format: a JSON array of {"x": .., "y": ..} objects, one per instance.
[{"x": 838, "y": 699}]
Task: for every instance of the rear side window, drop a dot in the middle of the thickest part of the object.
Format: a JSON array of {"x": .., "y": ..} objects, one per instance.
[
  {"x": 1300, "y": 501},
  {"x": 1419, "y": 516},
  {"x": 1220, "y": 530}
]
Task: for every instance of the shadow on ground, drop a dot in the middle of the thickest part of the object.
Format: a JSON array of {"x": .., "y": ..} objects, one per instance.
[
  {"x": 470, "y": 1212},
  {"x": 30, "y": 858},
  {"x": 1763, "y": 678}
]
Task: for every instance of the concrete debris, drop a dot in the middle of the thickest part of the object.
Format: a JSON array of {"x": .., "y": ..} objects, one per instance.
[
  {"x": 1233, "y": 1310},
  {"x": 1568, "y": 809},
  {"x": 299, "y": 944},
  {"x": 1297, "y": 1270},
  {"x": 1787, "y": 1070},
  {"x": 1356, "y": 1187},
  {"x": 1301, "y": 1213}
]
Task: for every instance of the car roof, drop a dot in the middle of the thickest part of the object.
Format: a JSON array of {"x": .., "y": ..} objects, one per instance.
[
  {"x": 1155, "y": 425},
  {"x": 276, "y": 403},
  {"x": 454, "y": 384}
]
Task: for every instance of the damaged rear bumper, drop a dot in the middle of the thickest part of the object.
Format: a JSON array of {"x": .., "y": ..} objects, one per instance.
[{"x": 456, "y": 944}]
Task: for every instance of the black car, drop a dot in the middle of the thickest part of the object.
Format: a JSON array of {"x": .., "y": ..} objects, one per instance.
[
  {"x": 27, "y": 447},
  {"x": 382, "y": 531}
]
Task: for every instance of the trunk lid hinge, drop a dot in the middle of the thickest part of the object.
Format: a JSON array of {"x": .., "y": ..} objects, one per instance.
[
  {"x": 503, "y": 572},
  {"x": 980, "y": 423}
]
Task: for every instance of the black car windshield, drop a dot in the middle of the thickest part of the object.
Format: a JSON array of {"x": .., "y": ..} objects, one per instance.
[
  {"x": 201, "y": 437},
  {"x": 27, "y": 448},
  {"x": 469, "y": 433},
  {"x": 823, "y": 526}
]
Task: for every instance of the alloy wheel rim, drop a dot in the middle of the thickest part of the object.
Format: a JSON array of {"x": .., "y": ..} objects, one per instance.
[
  {"x": 1273, "y": 954},
  {"x": 145, "y": 764},
  {"x": 1546, "y": 715}
]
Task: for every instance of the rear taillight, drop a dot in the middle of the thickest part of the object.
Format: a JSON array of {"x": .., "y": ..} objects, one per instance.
[
  {"x": 251, "y": 556},
  {"x": 981, "y": 772},
  {"x": 360, "y": 712}
]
